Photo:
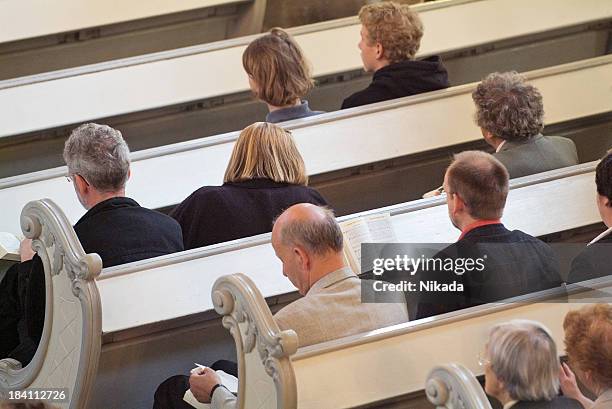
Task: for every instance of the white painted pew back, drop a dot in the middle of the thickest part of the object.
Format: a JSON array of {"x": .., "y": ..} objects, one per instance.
[
  {"x": 165, "y": 289},
  {"x": 165, "y": 176},
  {"x": 169, "y": 78},
  {"x": 383, "y": 364},
  {"x": 565, "y": 195},
  {"x": 22, "y": 19}
]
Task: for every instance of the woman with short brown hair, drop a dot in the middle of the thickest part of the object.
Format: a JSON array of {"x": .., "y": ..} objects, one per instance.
[
  {"x": 265, "y": 176},
  {"x": 279, "y": 75}
]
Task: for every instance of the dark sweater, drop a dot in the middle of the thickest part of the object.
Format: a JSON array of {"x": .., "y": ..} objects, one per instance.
[
  {"x": 215, "y": 214},
  {"x": 120, "y": 231},
  {"x": 401, "y": 79}
]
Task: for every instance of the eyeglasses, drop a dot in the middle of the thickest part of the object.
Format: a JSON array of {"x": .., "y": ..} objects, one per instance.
[
  {"x": 70, "y": 178},
  {"x": 483, "y": 360}
]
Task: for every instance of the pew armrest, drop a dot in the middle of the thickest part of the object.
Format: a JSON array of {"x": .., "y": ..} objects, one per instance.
[
  {"x": 69, "y": 348},
  {"x": 453, "y": 386},
  {"x": 265, "y": 374}
]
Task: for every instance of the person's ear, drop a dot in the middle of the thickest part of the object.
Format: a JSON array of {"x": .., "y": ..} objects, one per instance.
[
  {"x": 458, "y": 203},
  {"x": 488, "y": 136},
  {"x": 302, "y": 258},
  {"x": 380, "y": 51},
  {"x": 129, "y": 174},
  {"x": 81, "y": 184}
]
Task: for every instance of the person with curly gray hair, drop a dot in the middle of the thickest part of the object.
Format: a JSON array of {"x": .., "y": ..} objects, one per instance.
[{"x": 510, "y": 114}]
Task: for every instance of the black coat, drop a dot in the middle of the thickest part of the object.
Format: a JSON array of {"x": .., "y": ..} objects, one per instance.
[
  {"x": 515, "y": 263},
  {"x": 560, "y": 402},
  {"x": 215, "y": 214},
  {"x": 593, "y": 262},
  {"x": 401, "y": 79},
  {"x": 120, "y": 231}
]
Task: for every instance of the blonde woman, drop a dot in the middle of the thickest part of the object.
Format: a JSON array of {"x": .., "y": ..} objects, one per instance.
[
  {"x": 279, "y": 75},
  {"x": 265, "y": 175}
]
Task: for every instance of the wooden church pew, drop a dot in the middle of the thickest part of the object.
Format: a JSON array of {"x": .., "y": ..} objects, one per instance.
[
  {"x": 190, "y": 74},
  {"x": 168, "y": 298},
  {"x": 164, "y": 176},
  {"x": 363, "y": 370}
]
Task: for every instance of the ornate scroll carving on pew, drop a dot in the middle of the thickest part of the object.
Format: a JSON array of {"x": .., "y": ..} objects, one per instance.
[
  {"x": 265, "y": 374},
  {"x": 69, "y": 350},
  {"x": 453, "y": 386}
]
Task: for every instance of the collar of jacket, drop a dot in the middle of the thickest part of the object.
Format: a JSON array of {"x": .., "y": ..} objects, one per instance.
[
  {"x": 477, "y": 224},
  {"x": 430, "y": 63},
  {"x": 331, "y": 279},
  {"x": 286, "y": 114},
  {"x": 511, "y": 144},
  {"x": 602, "y": 236},
  {"x": 257, "y": 184},
  {"x": 108, "y": 204}
]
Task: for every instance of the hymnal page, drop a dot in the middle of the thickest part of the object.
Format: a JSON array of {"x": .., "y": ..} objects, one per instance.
[
  {"x": 355, "y": 232},
  {"x": 9, "y": 247},
  {"x": 227, "y": 380},
  {"x": 381, "y": 228}
]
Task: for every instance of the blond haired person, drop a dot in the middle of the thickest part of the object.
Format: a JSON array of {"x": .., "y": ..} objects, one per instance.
[
  {"x": 265, "y": 175},
  {"x": 522, "y": 367},
  {"x": 279, "y": 75},
  {"x": 390, "y": 38}
]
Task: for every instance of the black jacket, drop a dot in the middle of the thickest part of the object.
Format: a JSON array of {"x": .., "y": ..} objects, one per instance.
[
  {"x": 515, "y": 263},
  {"x": 215, "y": 214},
  {"x": 120, "y": 231},
  {"x": 401, "y": 79},
  {"x": 560, "y": 402},
  {"x": 593, "y": 262}
]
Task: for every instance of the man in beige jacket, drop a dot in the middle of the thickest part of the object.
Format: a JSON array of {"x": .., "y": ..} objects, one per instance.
[{"x": 308, "y": 241}]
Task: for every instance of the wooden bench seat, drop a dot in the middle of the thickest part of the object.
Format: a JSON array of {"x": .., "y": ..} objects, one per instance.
[
  {"x": 164, "y": 304},
  {"x": 364, "y": 370},
  {"x": 350, "y": 138},
  {"x": 191, "y": 74}
]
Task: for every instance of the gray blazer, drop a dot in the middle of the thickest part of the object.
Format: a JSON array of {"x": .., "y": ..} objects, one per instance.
[
  {"x": 333, "y": 309},
  {"x": 537, "y": 154}
]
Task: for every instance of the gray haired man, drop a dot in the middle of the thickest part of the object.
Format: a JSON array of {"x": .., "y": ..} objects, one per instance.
[{"x": 114, "y": 226}]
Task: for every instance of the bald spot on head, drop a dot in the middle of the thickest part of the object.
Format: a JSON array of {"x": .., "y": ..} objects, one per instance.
[
  {"x": 309, "y": 226},
  {"x": 481, "y": 181}
]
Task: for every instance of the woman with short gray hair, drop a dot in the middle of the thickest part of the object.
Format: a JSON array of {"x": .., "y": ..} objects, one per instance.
[
  {"x": 510, "y": 114},
  {"x": 522, "y": 367}
]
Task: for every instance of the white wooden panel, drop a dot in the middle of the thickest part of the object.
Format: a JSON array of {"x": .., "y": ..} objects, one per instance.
[
  {"x": 21, "y": 19},
  {"x": 123, "y": 90},
  {"x": 405, "y": 360},
  {"x": 176, "y": 290},
  {"x": 331, "y": 141},
  {"x": 162, "y": 294},
  {"x": 567, "y": 205}
]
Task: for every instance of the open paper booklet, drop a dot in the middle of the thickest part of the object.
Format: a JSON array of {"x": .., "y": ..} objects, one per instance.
[
  {"x": 227, "y": 380},
  {"x": 376, "y": 228},
  {"x": 9, "y": 247}
]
